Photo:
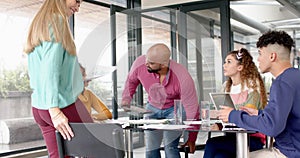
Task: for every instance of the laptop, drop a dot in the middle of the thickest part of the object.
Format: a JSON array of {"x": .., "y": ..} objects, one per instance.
[{"x": 221, "y": 99}]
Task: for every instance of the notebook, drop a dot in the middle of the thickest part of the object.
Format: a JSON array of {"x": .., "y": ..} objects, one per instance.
[{"x": 221, "y": 99}]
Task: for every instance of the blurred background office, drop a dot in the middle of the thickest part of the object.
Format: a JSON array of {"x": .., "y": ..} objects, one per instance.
[{"x": 110, "y": 34}]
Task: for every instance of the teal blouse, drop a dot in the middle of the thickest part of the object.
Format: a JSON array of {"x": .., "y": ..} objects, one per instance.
[{"x": 55, "y": 76}]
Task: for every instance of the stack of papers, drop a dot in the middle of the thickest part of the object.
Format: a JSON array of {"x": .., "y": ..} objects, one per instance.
[
  {"x": 231, "y": 127},
  {"x": 165, "y": 127},
  {"x": 141, "y": 121},
  {"x": 200, "y": 122},
  {"x": 152, "y": 121}
]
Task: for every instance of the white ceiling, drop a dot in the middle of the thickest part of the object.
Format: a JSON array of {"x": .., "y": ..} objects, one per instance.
[
  {"x": 155, "y": 3},
  {"x": 275, "y": 14},
  {"x": 268, "y": 12},
  {"x": 281, "y": 14}
]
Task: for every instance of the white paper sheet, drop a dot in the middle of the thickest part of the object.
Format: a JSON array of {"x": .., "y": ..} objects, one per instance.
[
  {"x": 200, "y": 122},
  {"x": 152, "y": 121},
  {"x": 165, "y": 127},
  {"x": 141, "y": 121}
]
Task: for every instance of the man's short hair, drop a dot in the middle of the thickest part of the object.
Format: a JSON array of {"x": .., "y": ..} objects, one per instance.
[{"x": 275, "y": 37}]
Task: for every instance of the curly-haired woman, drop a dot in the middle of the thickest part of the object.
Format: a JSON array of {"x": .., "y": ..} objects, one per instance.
[{"x": 246, "y": 88}]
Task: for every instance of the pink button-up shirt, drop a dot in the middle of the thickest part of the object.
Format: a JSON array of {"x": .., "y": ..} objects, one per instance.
[{"x": 178, "y": 84}]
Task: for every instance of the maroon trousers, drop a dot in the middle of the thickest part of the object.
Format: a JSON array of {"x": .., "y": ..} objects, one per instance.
[{"x": 75, "y": 112}]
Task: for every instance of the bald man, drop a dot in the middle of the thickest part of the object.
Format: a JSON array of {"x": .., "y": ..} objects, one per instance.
[{"x": 164, "y": 80}]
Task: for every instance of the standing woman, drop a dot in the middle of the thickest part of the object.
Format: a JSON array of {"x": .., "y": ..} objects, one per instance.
[
  {"x": 54, "y": 72},
  {"x": 246, "y": 88}
]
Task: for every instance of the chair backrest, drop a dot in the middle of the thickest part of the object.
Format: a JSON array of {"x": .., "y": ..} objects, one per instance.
[{"x": 93, "y": 140}]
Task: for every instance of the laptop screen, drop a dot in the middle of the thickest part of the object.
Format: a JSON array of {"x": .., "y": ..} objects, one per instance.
[{"x": 221, "y": 99}]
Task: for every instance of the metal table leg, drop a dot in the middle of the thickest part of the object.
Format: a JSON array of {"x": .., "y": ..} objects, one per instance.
[
  {"x": 128, "y": 143},
  {"x": 242, "y": 147}
]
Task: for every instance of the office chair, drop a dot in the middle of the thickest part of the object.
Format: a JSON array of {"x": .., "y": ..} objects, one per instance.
[
  {"x": 186, "y": 149},
  {"x": 93, "y": 140}
]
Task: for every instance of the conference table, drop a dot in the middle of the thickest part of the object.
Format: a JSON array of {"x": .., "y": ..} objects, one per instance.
[
  {"x": 242, "y": 147},
  {"x": 242, "y": 135}
]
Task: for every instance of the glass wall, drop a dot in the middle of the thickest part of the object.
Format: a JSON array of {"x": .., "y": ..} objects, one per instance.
[
  {"x": 204, "y": 52},
  {"x": 93, "y": 28},
  {"x": 92, "y": 38},
  {"x": 14, "y": 81}
]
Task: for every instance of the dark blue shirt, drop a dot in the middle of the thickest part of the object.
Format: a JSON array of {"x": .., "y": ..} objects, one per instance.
[{"x": 281, "y": 117}]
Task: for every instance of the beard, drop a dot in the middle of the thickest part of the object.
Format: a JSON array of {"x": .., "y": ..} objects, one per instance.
[{"x": 153, "y": 70}]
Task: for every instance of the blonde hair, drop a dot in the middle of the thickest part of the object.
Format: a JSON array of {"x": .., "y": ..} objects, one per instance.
[{"x": 51, "y": 17}]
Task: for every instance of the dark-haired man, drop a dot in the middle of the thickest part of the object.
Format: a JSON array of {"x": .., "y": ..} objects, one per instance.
[{"x": 281, "y": 117}]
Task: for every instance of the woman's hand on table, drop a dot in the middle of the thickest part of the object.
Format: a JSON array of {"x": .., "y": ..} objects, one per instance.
[{"x": 223, "y": 113}]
